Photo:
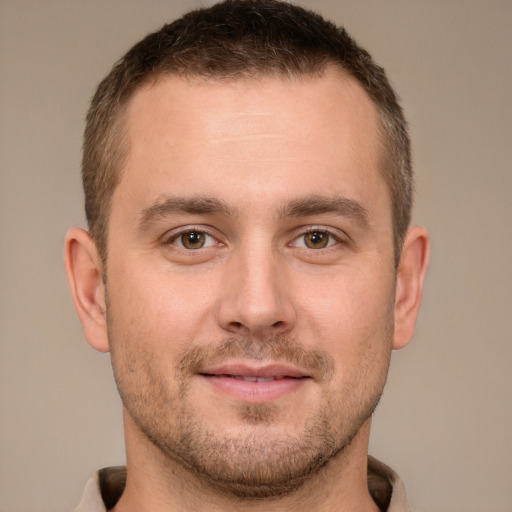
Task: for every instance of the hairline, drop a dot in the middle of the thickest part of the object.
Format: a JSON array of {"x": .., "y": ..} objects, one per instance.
[{"x": 119, "y": 134}]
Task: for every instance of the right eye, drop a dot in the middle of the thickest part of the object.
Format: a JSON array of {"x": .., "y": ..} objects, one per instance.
[{"x": 193, "y": 239}]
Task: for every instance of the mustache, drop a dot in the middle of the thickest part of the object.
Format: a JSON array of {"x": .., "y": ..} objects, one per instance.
[{"x": 316, "y": 363}]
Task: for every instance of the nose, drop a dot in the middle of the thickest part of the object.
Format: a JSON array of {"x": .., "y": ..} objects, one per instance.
[{"x": 256, "y": 298}]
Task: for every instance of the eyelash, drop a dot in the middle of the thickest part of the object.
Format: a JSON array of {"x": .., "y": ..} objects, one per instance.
[{"x": 333, "y": 239}]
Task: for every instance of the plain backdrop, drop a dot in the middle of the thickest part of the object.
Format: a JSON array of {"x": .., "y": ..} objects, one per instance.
[{"x": 445, "y": 420}]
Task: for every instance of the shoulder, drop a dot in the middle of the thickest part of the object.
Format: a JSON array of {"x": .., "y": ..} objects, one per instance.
[{"x": 103, "y": 490}]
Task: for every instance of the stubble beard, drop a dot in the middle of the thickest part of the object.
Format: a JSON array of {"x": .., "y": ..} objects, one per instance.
[{"x": 262, "y": 462}]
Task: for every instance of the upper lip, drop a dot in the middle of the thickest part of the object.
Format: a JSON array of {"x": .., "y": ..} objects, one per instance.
[{"x": 265, "y": 371}]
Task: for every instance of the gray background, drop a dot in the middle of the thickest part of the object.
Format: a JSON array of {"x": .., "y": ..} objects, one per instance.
[{"x": 445, "y": 421}]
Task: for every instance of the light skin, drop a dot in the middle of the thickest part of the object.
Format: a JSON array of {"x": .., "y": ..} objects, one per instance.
[{"x": 253, "y": 302}]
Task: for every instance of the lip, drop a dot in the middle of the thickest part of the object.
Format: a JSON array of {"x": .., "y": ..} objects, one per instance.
[{"x": 255, "y": 384}]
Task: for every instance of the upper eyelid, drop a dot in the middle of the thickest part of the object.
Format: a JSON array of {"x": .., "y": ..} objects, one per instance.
[
  {"x": 337, "y": 238},
  {"x": 321, "y": 229},
  {"x": 172, "y": 234},
  {"x": 334, "y": 232}
]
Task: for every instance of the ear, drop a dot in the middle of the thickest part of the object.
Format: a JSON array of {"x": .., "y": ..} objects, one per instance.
[
  {"x": 84, "y": 273},
  {"x": 409, "y": 285}
]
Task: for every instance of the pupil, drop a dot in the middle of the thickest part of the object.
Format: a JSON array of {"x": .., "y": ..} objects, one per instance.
[
  {"x": 316, "y": 240},
  {"x": 193, "y": 240}
]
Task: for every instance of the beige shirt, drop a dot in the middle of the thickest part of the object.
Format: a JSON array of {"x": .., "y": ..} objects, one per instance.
[{"x": 106, "y": 486}]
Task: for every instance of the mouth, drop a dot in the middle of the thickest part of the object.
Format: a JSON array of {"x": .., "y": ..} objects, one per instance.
[
  {"x": 248, "y": 378},
  {"x": 253, "y": 384}
]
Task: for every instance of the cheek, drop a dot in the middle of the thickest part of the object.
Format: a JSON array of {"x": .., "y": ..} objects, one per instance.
[
  {"x": 165, "y": 310},
  {"x": 350, "y": 313}
]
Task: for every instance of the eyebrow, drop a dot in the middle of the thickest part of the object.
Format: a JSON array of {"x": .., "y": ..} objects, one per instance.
[
  {"x": 189, "y": 205},
  {"x": 321, "y": 205},
  {"x": 301, "y": 207}
]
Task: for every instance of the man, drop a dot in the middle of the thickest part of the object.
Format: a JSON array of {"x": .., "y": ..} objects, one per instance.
[{"x": 249, "y": 263}]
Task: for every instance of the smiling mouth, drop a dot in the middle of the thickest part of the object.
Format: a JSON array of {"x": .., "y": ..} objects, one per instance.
[
  {"x": 251, "y": 378},
  {"x": 250, "y": 384},
  {"x": 255, "y": 373}
]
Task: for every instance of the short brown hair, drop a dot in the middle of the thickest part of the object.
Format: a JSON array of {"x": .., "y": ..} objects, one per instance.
[{"x": 230, "y": 40}]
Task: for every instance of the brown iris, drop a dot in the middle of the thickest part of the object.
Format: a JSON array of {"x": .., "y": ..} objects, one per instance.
[
  {"x": 316, "y": 239},
  {"x": 193, "y": 239}
]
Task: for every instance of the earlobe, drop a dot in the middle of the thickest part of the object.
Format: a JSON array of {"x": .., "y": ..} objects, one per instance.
[
  {"x": 413, "y": 266},
  {"x": 84, "y": 273}
]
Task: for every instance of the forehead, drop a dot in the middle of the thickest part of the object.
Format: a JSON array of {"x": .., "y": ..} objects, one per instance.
[
  {"x": 265, "y": 135},
  {"x": 203, "y": 108}
]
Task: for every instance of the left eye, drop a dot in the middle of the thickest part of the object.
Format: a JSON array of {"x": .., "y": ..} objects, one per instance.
[
  {"x": 193, "y": 240},
  {"x": 315, "y": 239}
]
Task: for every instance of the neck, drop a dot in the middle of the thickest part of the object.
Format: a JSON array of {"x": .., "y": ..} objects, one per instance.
[{"x": 156, "y": 483}]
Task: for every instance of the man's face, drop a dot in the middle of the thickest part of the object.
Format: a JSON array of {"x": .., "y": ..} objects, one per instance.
[{"x": 250, "y": 283}]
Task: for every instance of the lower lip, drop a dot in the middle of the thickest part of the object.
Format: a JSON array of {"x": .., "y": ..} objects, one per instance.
[{"x": 256, "y": 392}]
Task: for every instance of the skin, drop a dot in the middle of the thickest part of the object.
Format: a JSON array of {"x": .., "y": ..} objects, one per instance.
[{"x": 254, "y": 167}]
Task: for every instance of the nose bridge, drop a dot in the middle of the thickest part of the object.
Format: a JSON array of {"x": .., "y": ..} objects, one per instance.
[{"x": 256, "y": 298}]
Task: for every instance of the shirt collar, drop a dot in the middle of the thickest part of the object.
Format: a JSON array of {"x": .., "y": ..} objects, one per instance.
[{"x": 105, "y": 487}]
